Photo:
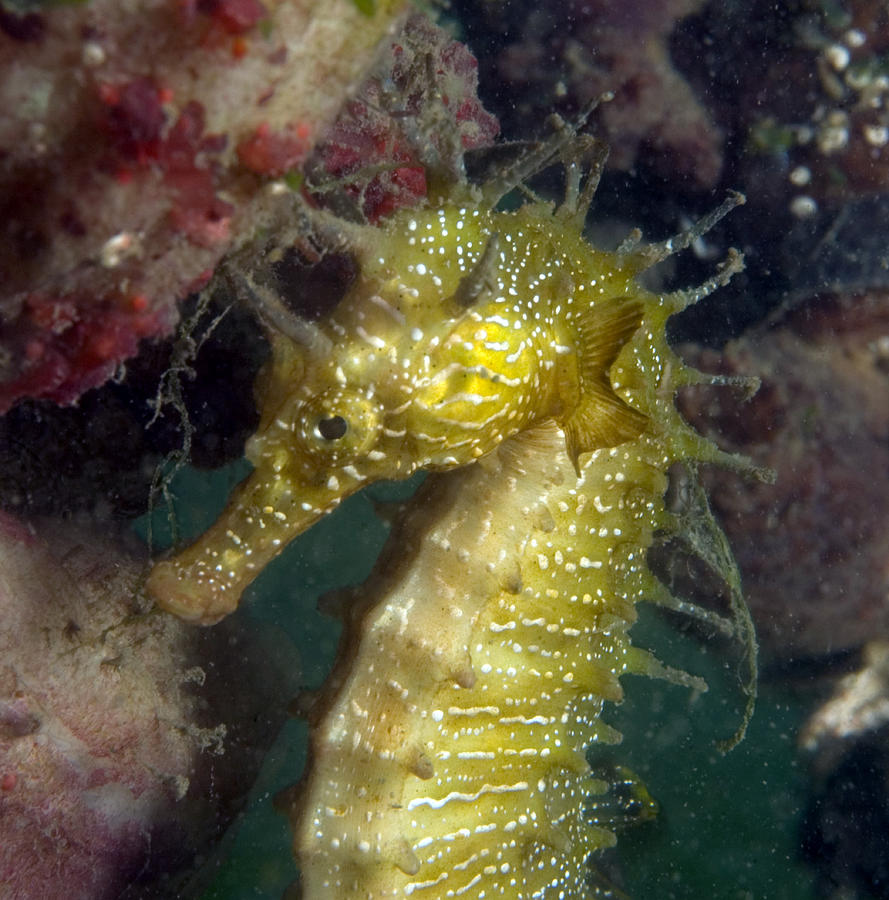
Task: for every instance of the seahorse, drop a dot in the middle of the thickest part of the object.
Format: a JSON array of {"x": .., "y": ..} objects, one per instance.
[{"x": 449, "y": 744}]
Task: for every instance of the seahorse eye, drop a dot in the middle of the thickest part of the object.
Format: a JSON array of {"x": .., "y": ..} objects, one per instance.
[
  {"x": 333, "y": 428},
  {"x": 338, "y": 426}
]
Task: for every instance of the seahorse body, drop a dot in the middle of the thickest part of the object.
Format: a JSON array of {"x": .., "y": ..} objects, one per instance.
[
  {"x": 449, "y": 752},
  {"x": 449, "y": 745}
]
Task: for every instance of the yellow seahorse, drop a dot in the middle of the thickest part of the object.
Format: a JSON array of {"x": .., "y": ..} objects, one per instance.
[{"x": 449, "y": 745}]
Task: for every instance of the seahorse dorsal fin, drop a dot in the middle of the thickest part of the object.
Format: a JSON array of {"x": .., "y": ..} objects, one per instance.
[{"x": 600, "y": 418}]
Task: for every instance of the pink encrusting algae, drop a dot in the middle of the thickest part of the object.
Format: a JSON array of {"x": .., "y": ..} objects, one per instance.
[{"x": 137, "y": 147}]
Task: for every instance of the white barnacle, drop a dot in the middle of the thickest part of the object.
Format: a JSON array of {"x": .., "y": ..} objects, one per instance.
[{"x": 117, "y": 248}]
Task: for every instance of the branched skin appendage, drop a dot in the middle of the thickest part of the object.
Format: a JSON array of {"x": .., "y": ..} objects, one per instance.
[{"x": 466, "y": 326}]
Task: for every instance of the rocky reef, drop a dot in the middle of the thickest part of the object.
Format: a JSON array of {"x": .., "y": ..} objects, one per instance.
[
  {"x": 813, "y": 546},
  {"x": 126, "y": 741},
  {"x": 135, "y": 149}
]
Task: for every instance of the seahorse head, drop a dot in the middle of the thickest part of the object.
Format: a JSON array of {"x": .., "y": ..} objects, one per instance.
[
  {"x": 408, "y": 373},
  {"x": 412, "y": 370}
]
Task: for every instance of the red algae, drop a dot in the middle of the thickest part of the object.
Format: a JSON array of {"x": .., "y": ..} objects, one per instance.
[
  {"x": 276, "y": 153},
  {"x": 416, "y": 113},
  {"x": 235, "y": 16},
  {"x": 71, "y": 343},
  {"x": 124, "y": 146}
]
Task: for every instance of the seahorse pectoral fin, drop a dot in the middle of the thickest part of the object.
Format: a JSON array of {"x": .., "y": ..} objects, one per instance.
[
  {"x": 601, "y": 418},
  {"x": 601, "y": 421}
]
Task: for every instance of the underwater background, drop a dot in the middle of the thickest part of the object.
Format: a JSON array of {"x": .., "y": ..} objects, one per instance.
[{"x": 144, "y": 147}]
